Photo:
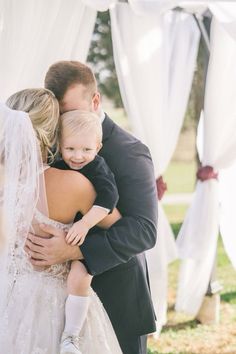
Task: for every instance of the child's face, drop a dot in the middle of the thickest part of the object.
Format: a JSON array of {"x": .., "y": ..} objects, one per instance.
[{"x": 79, "y": 149}]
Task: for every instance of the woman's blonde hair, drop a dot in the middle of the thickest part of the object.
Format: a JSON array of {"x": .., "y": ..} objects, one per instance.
[
  {"x": 80, "y": 121},
  {"x": 43, "y": 109}
]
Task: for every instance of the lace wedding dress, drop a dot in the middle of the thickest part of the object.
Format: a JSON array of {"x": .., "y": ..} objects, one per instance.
[{"x": 33, "y": 320}]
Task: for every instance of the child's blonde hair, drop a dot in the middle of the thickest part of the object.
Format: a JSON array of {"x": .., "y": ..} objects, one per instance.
[
  {"x": 43, "y": 109},
  {"x": 80, "y": 121}
]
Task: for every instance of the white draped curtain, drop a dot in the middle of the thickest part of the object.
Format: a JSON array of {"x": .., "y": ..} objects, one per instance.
[
  {"x": 198, "y": 236},
  {"x": 225, "y": 13},
  {"x": 34, "y": 34},
  {"x": 223, "y": 10},
  {"x": 155, "y": 59},
  {"x": 99, "y": 5},
  {"x": 227, "y": 188}
]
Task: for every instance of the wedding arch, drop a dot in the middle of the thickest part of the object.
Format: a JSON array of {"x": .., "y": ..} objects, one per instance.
[{"x": 155, "y": 44}]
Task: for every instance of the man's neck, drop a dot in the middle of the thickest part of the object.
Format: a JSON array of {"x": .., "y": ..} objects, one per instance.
[{"x": 102, "y": 115}]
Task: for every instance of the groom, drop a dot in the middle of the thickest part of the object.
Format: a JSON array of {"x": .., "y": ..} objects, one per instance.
[{"x": 116, "y": 256}]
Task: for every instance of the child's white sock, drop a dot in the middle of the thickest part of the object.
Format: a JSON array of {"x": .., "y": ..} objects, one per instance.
[{"x": 76, "y": 309}]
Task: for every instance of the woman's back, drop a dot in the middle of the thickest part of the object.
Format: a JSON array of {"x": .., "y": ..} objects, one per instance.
[{"x": 68, "y": 192}]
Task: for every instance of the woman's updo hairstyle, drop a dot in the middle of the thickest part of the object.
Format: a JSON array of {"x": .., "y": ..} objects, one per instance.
[{"x": 43, "y": 109}]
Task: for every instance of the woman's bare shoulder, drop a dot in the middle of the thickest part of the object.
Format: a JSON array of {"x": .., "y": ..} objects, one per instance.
[
  {"x": 68, "y": 178},
  {"x": 67, "y": 193}
]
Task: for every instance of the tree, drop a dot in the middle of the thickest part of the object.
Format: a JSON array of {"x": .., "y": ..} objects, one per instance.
[
  {"x": 196, "y": 101},
  {"x": 101, "y": 58}
]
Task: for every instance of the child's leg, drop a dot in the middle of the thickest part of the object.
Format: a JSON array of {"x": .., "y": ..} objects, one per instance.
[
  {"x": 78, "y": 284},
  {"x": 78, "y": 281}
]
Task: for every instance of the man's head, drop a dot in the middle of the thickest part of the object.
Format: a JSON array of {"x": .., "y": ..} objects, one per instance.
[
  {"x": 80, "y": 136},
  {"x": 74, "y": 85}
]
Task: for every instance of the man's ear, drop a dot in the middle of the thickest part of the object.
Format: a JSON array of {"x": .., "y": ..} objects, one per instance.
[{"x": 96, "y": 101}]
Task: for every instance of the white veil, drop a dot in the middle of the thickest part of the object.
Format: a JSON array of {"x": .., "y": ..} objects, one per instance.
[{"x": 21, "y": 163}]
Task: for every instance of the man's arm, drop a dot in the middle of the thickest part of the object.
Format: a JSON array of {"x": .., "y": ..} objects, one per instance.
[
  {"x": 136, "y": 231},
  {"x": 48, "y": 251}
]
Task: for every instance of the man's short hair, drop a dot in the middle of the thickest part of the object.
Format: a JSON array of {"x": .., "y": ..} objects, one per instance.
[{"x": 64, "y": 74}]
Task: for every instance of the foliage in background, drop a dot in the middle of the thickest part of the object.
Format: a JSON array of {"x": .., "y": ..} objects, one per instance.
[
  {"x": 196, "y": 99},
  {"x": 101, "y": 58}
]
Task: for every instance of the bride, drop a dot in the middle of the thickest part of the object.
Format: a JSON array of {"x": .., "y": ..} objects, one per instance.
[{"x": 32, "y": 300}]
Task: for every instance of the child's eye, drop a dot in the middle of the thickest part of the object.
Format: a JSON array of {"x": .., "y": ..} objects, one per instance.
[
  {"x": 87, "y": 149},
  {"x": 70, "y": 148}
]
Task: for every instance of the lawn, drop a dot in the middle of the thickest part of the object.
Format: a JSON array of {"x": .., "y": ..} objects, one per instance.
[{"x": 180, "y": 177}]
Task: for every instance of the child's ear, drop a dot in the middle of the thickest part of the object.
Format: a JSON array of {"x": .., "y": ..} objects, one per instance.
[
  {"x": 57, "y": 149},
  {"x": 99, "y": 147}
]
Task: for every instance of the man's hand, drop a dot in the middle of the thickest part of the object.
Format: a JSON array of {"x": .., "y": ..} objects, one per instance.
[
  {"x": 77, "y": 233},
  {"x": 48, "y": 251}
]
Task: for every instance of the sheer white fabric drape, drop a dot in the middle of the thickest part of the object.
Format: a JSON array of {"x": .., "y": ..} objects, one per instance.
[
  {"x": 34, "y": 34},
  {"x": 151, "y": 53},
  {"x": 161, "y": 6},
  {"x": 223, "y": 10},
  {"x": 99, "y": 5},
  {"x": 227, "y": 188},
  {"x": 197, "y": 240},
  {"x": 21, "y": 157},
  {"x": 225, "y": 13}
]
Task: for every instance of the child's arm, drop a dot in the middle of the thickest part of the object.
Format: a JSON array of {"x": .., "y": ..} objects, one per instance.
[
  {"x": 79, "y": 230},
  {"x": 103, "y": 180},
  {"x": 104, "y": 183}
]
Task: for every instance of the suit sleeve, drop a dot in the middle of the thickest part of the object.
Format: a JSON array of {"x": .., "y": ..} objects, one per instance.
[
  {"x": 136, "y": 231},
  {"x": 104, "y": 183}
]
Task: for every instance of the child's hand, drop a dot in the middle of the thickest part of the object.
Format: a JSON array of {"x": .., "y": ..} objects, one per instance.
[{"x": 77, "y": 233}]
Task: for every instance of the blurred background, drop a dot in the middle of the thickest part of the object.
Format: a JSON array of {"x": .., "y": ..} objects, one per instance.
[{"x": 182, "y": 334}]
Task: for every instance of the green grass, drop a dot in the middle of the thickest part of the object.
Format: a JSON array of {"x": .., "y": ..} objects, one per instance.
[
  {"x": 180, "y": 177},
  {"x": 175, "y": 213}
]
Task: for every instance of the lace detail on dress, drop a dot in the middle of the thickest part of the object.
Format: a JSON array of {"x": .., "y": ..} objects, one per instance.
[
  {"x": 41, "y": 218},
  {"x": 30, "y": 292},
  {"x": 57, "y": 270},
  {"x": 19, "y": 259}
]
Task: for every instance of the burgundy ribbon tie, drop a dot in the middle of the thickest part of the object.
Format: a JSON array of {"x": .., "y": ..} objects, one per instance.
[
  {"x": 161, "y": 187},
  {"x": 205, "y": 173}
]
